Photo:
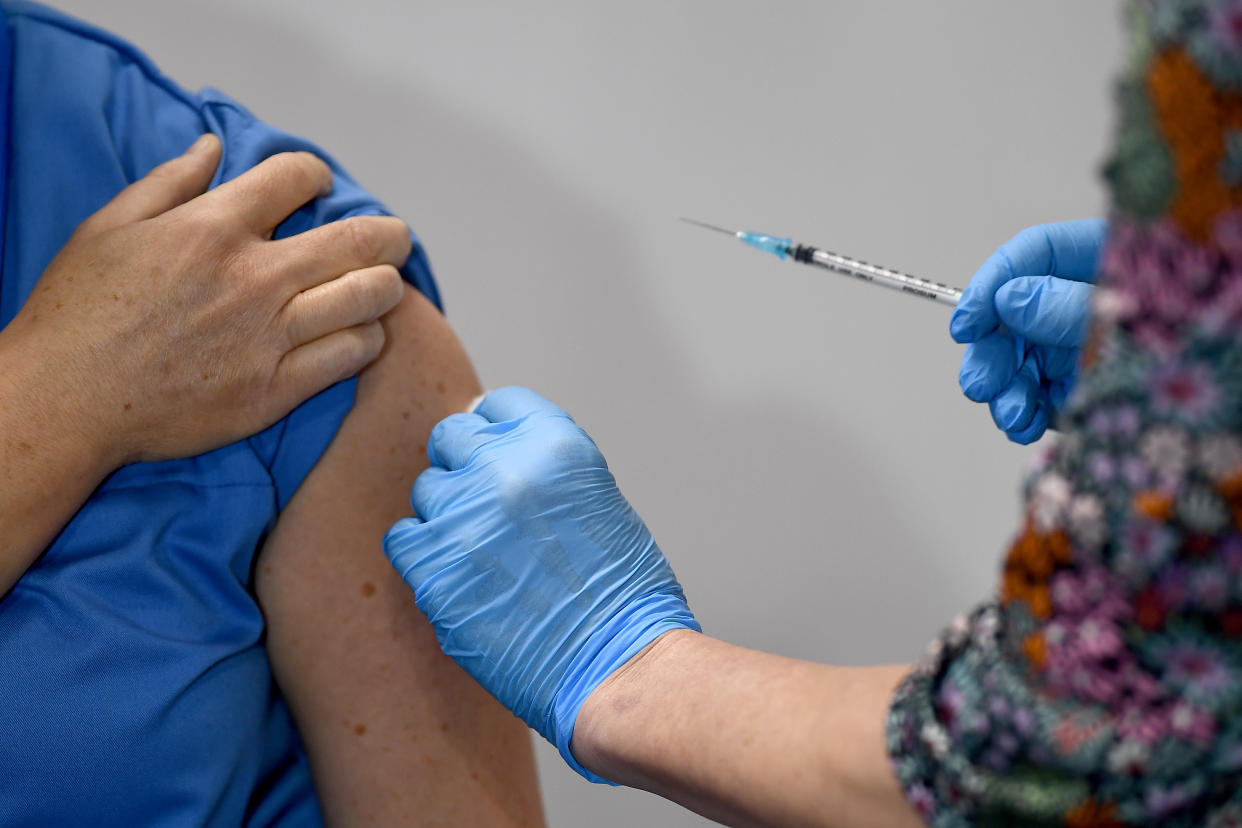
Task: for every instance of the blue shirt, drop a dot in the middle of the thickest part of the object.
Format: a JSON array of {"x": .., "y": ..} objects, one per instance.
[{"x": 134, "y": 686}]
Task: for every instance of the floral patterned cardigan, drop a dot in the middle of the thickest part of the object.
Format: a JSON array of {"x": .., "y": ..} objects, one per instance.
[{"x": 1103, "y": 686}]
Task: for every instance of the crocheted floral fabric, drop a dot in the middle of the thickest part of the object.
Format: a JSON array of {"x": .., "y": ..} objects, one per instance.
[{"x": 1103, "y": 687}]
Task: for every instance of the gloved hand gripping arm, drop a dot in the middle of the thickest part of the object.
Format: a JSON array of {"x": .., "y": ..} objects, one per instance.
[
  {"x": 542, "y": 582},
  {"x": 538, "y": 577}
]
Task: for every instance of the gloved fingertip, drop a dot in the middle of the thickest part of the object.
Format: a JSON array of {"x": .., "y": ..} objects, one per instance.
[
  {"x": 988, "y": 366},
  {"x": 1011, "y": 412},
  {"x": 1024, "y": 437},
  {"x": 974, "y": 384},
  {"x": 964, "y": 327},
  {"x": 423, "y": 494},
  {"x": 1033, "y": 430},
  {"x": 400, "y": 536},
  {"x": 433, "y": 457},
  {"x": 454, "y": 440}
]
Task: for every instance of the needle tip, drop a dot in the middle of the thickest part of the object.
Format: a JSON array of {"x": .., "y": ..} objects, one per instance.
[{"x": 708, "y": 226}]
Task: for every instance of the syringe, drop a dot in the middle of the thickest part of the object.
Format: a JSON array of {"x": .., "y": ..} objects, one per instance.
[{"x": 874, "y": 274}]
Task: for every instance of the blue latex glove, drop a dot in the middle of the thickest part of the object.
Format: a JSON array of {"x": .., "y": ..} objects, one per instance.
[
  {"x": 1037, "y": 285},
  {"x": 537, "y": 576}
]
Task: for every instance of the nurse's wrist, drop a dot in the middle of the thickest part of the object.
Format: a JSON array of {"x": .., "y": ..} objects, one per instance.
[{"x": 605, "y": 725}]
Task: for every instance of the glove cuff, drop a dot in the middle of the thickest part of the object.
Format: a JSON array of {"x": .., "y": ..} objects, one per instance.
[{"x": 611, "y": 646}]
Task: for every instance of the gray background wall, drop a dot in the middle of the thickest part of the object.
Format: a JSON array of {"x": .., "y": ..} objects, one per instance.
[{"x": 796, "y": 442}]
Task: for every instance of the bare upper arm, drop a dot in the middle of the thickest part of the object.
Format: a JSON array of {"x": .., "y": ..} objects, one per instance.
[{"x": 395, "y": 731}]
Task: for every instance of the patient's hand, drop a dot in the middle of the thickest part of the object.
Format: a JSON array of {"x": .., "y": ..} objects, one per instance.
[{"x": 169, "y": 324}]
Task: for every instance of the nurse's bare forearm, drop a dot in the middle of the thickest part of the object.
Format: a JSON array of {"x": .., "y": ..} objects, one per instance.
[
  {"x": 52, "y": 456},
  {"x": 747, "y": 738}
]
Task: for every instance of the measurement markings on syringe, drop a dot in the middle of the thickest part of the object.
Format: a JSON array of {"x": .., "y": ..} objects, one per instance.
[{"x": 857, "y": 274}]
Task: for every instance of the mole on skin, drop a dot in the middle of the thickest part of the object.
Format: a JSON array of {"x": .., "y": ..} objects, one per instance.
[
  {"x": 360, "y": 728},
  {"x": 368, "y": 589}
]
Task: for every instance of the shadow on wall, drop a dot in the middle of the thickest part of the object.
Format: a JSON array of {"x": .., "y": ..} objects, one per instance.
[{"x": 766, "y": 563}]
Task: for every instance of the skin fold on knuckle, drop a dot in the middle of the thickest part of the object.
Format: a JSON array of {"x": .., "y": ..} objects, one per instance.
[
  {"x": 262, "y": 391},
  {"x": 246, "y": 286},
  {"x": 206, "y": 229},
  {"x": 363, "y": 239},
  {"x": 354, "y": 294}
]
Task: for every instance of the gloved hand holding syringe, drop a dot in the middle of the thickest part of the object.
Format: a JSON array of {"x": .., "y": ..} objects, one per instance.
[{"x": 1024, "y": 314}]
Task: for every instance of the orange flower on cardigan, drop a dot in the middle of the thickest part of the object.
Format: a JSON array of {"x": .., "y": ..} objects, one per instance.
[
  {"x": 1032, "y": 560},
  {"x": 1092, "y": 814},
  {"x": 1192, "y": 115}
]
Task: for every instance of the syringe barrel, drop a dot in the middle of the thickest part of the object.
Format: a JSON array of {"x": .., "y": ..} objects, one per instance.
[{"x": 876, "y": 274}]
